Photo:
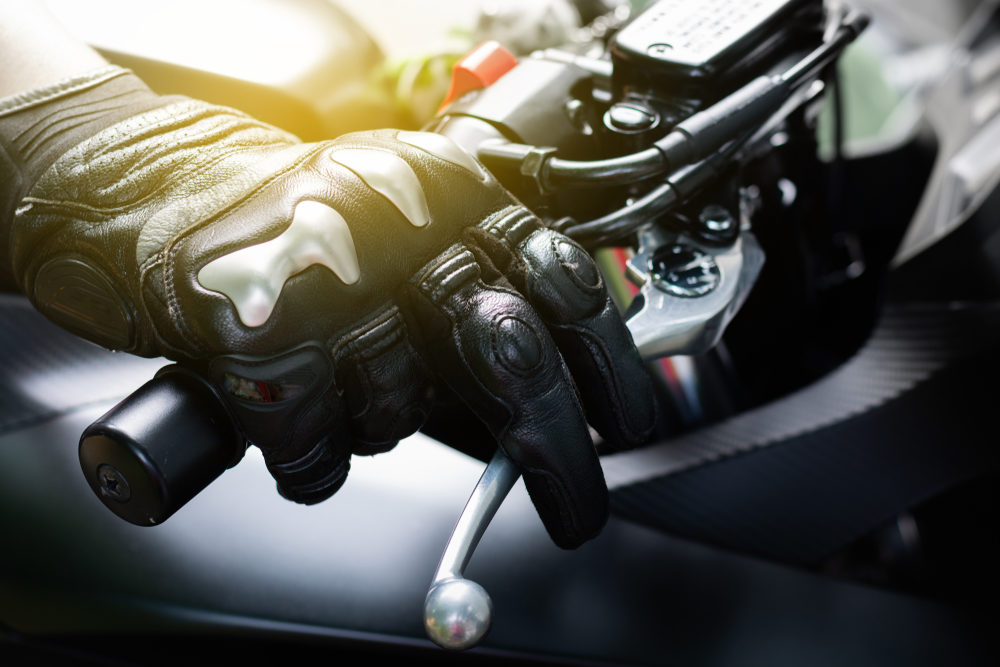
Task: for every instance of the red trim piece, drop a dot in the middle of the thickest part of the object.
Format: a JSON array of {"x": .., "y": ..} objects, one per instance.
[
  {"x": 622, "y": 258},
  {"x": 480, "y": 68}
]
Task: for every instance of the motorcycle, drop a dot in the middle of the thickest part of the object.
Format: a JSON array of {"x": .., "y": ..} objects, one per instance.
[{"x": 794, "y": 204}]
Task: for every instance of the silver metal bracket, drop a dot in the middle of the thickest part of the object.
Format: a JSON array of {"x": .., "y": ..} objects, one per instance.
[{"x": 688, "y": 292}]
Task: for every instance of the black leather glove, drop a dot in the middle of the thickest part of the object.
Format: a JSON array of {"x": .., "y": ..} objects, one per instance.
[{"x": 329, "y": 287}]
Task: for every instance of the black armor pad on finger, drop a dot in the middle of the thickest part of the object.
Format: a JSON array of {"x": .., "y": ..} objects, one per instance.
[
  {"x": 565, "y": 287},
  {"x": 491, "y": 348}
]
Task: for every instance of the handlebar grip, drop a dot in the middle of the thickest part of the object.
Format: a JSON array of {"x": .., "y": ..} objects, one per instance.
[{"x": 159, "y": 447}]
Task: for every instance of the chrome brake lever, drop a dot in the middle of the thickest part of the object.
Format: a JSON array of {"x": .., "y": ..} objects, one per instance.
[{"x": 458, "y": 612}]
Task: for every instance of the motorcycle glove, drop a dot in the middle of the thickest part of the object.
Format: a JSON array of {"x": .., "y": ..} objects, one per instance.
[{"x": 326, "y": 288}]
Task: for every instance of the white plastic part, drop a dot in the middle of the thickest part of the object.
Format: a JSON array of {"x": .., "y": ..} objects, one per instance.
[
  {"x": 442, "y": 147},
  {"x": 252, "y": 278},
  {"x": 389, "y": 176}
]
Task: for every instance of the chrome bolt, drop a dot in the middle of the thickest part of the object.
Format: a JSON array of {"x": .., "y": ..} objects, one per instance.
[{"x": 717, "y": 219}]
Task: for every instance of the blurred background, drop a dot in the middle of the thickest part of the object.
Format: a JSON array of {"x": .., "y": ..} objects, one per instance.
[{"x": 366, "y": 64}]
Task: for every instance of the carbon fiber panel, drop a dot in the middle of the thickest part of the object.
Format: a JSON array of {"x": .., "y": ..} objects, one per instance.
[{"x": 910, "y": 415}]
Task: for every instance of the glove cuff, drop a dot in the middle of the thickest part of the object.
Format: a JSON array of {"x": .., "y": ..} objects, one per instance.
[
  {"x": 131, "y": 172},
  {"x": 39, "y": 125}
]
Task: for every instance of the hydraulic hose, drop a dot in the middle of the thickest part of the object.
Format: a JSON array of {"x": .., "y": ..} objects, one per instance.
[{"x": 661, "y": 198}]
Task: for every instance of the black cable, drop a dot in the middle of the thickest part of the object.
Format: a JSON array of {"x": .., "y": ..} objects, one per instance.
[
  {"x": 626, "y": 220},
  {"x": 610, "y": 172},
  {"x": 661, "y": 198}
]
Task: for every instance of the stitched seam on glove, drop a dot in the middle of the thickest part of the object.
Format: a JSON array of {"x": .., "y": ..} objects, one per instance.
[
  {"x": 540, "y": 278},
  {"x": 567, "y": 518},
  {"x": 599, "y": 354},
  {"x": 369, "y": 339},
  {"x": 500, "y": 356},
  {"x": 69, "y": 86},
  {"x": 354, "y": 357},
  {"x": 129, "y": 149},
  {"x": 500, "y": 433},
  {"x": 574, "y": 275},
  {"x": 455, "y": 268},
  {"x": 512, "y": 224},
  {"x": 36, "y": 204}
]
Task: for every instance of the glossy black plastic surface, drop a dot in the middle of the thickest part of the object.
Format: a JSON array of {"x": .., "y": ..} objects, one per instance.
[{"x": 158, "y": 448}]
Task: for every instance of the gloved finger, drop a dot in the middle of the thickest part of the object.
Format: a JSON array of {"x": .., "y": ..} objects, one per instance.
[
  {"x": 288, "y": 406},
  {"x": 564, "y": 285},
  {"x": 384, "y": 381},
  {"x": 452, "y": 422},
  {"x": 491, "y": 348}
]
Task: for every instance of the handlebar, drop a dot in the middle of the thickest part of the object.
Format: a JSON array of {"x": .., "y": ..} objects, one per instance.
[{"x": 157, "y": 449}]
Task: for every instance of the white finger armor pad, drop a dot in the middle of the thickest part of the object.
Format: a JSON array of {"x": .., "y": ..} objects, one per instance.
[
  {"x": 252, "y": 278},
  {"x": 441, "y": 146},
  {"x": 389, "y": 176}
]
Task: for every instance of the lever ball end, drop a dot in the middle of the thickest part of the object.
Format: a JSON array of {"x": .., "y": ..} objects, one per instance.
[{"x": 457, "y": 613}]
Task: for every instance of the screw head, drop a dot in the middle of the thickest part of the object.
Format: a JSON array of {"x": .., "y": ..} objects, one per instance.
[
  {"x": 113, "y": 483},
  {"x": 660, "y": 50}
]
